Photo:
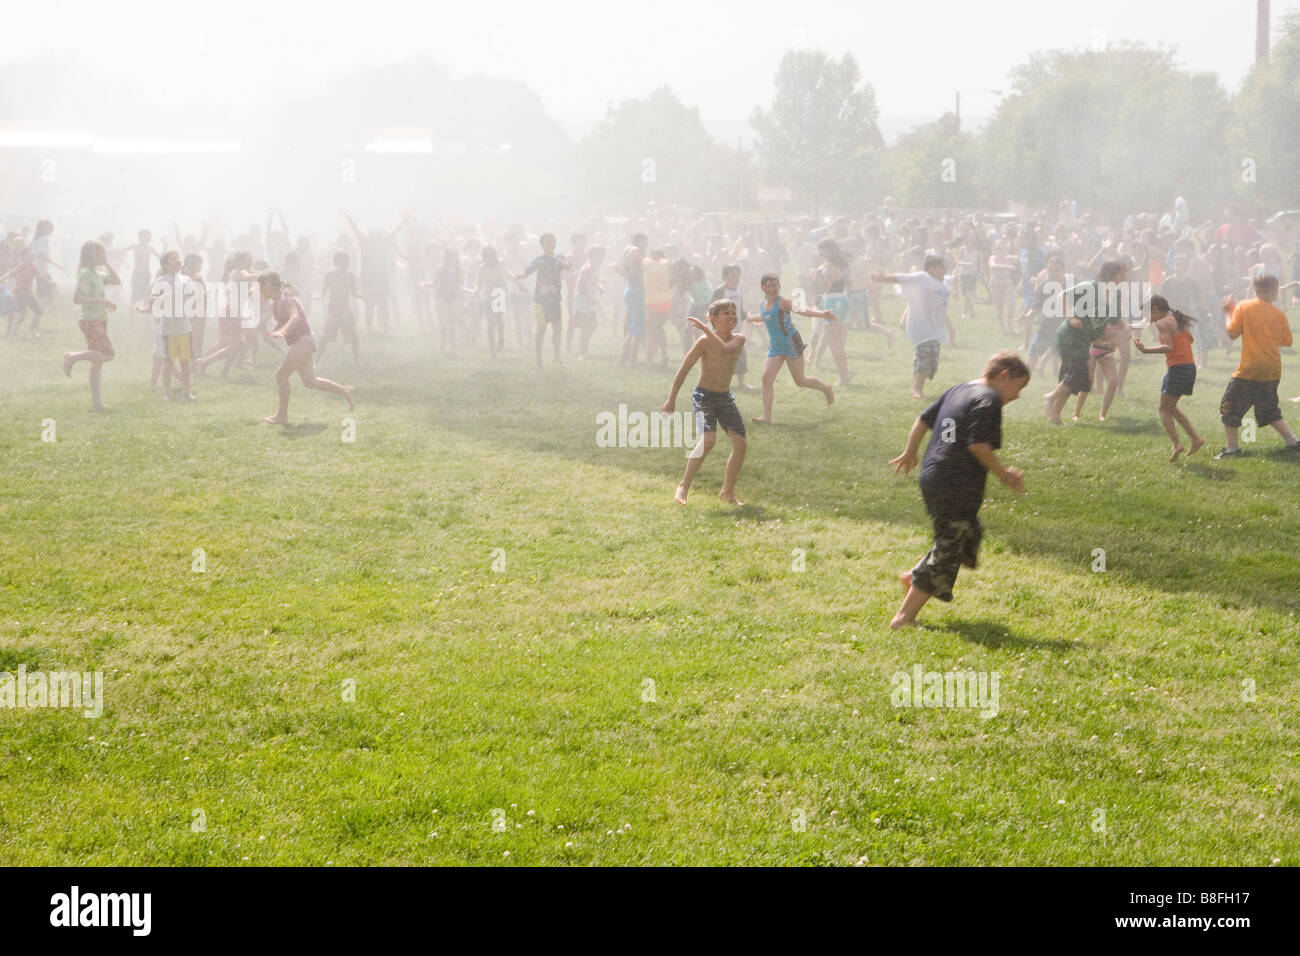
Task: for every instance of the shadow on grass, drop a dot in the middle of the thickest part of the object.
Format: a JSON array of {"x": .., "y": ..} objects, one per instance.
[
  {"x": 746, "y": 512},
  {"x": 302, "y": 431},
  {"x": 1134, "y": 426},
  {"x": 996, "y": 634},
  {"x": 1199, "y": 468},
  {"x": 829, "y": 462}
]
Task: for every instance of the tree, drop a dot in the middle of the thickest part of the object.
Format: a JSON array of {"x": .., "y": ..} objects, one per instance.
[
  {"x": 1124, "y": 128},
  {"x": 655, "y": 149},
  {"x": 1266, "y": 133},
  {"x": 820, "y": 133},
  {"x": 937, "y": 166}
]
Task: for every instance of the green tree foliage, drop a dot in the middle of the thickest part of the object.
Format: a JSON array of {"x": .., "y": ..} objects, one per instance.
[
  {"x": 656, "y": 149},
  {"x": 820, "y": 133},
  {"x": 936, "y": 165},
  {"x": 1267, "y": 124},
  {"x": 1120, "y": 128}
]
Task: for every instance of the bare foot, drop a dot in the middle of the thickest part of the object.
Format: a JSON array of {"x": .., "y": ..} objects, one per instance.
[
  {"x": 905, "y": 579},
  {"x": 1100, "y": 418},
  {"x": 729, "y": 497},
  {"x": 830, "y": 395},
  {"x": 900, "y": 621},
  {"x": 761, "y": 420},
  {"x": 275, "y": 420},
  {"x": 1054, "y": 420},
  {"x": 917, "y": 395},
  {"x": 347, "y": 393},
  {"x": 67, "y": 364},
  {"x": 1196, "y": 444},
  {"x": 680, "y": 497},
  {"x": 1178, "y": 450}
]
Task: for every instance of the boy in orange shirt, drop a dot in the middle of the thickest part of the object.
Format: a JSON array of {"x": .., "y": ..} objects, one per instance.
[{"x": 1263, "y": 330}]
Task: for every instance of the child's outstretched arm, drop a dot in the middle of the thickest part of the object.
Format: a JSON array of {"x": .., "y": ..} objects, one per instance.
[
  {"x": 400, "y": 226},
  {"x": 360, "y": 237},
  {"x": 811, "y": 313},
  {"x": 689, "y": 359},
  {"x": 907, "y": 460},
  {"x": 1166, "y": 343},
  {"x": 735, "y": 342}
]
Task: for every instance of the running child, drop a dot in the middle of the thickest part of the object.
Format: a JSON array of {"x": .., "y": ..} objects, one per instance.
[
  {"x": 1174, "y": 330},
  {"x": 338, "y": 291},
  {"x": 494, "y": 297},
  {"x": 1263, "y": 330},
  {"x": 716, "y": 351},
  {"x": 656, "y": 275},
  {"x": 447, "y": 286},
  {"x": 1087, "y": 307},
  {"x": 547, "y": 305},
  {"x": 966, "y": 422},
  {"x": 785, "y": 345},
  {"x": 93, "y": 274},
  {"x": 167, "y": 304},
  {"x": 141, "y": 272},
  {"x": 634, "y": 300},
  {"x": 291, "y": 325},
  {"x": 232, "y": 340},
  {"x": 587, "y": 289},
  {"x": 925, "y": 319},
  {"x": 23, "y": 275},
  {"x": 192, "y": 270}
]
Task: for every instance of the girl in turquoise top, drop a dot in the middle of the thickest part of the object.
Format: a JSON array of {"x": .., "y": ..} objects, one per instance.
[{"x": 784, "y": 348}]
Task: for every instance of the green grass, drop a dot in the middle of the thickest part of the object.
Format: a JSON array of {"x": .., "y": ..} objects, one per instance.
[{"x": 521, "y": 690}]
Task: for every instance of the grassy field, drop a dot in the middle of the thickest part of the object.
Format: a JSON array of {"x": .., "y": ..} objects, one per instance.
[{"x": 500, "y": 716}]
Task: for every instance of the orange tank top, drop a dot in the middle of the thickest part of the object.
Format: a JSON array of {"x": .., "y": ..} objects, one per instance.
[{"x": 1182, "y": 353}]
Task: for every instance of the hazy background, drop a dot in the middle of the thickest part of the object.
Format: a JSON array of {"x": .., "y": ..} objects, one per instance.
[
  {"x": 579, "y": 56},
  {"x": 313, "y": 96}
]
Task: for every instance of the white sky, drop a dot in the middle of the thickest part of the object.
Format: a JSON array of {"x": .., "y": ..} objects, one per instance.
[{"x": 578, "y": 55}]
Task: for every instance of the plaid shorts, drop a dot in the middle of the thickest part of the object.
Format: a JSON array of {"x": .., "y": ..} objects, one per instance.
[
  {"x": 925, "y": 359},
  {"x": 96, "y": 334}
]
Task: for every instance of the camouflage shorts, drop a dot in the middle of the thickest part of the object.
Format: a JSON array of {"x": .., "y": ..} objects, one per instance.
[
  {"x": 956, "y": 543},
  {"x": 925, "y": 359}
]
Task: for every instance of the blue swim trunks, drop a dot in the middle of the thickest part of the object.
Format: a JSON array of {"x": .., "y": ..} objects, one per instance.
[{"x": 717, "y": 408}]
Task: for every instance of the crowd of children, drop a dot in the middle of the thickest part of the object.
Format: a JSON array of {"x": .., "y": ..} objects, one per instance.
[{"x": 468, "y": 283}]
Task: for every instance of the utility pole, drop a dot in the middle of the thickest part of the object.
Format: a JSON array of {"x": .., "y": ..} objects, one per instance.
[{"x": 1261, "y": 30}]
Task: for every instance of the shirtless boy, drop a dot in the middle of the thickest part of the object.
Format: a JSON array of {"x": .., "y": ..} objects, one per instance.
[{"x": 716, "y": 351}]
